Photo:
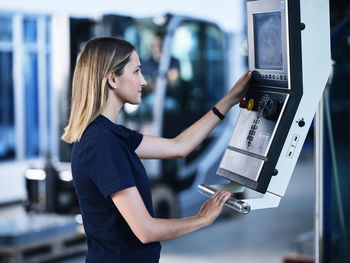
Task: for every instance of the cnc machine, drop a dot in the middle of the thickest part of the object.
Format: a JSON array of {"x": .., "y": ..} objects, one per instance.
[{"x": 289, "y": 53}]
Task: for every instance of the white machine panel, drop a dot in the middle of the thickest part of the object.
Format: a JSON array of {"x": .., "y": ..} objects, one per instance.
[{"x": 285, "y": 40}]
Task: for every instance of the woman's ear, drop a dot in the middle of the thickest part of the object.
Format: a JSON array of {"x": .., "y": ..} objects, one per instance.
[{"x": 111, "y": 81}]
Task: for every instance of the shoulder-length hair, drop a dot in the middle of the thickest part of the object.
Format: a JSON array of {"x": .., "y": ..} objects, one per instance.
[{"x": 99, "y": 57}]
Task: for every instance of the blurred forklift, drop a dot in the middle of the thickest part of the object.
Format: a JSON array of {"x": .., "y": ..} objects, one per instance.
[{"x": 191, "y": 73}]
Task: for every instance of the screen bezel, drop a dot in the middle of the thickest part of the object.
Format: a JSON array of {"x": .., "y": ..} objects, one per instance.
[{"x": 260, "y": 7}]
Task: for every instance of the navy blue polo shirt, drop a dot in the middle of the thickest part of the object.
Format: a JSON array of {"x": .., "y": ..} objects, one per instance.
[{"x": 103, "y": 162}]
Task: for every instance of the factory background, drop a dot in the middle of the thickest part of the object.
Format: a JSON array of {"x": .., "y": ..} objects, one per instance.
[{"x": 39, "y": 42}]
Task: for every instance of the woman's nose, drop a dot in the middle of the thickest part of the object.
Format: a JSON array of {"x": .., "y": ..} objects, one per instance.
[{"x": 143, "y": 81}]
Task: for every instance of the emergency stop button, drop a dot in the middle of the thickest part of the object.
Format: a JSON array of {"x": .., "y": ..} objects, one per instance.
[{"x": 243, "y": 104}]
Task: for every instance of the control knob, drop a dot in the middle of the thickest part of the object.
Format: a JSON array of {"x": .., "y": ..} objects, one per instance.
[{"x": 271, "y": 109}]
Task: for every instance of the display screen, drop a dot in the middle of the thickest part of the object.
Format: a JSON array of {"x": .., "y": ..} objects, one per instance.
[{"x": 268, "y": 41}]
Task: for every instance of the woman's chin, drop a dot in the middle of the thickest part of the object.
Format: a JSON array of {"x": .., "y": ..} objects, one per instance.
[{"x": 136, "y": 102}]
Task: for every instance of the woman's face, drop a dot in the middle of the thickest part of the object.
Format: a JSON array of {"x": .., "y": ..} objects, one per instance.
[{"x": 131, "y": 82}]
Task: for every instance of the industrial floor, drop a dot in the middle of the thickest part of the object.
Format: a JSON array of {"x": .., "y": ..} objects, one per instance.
[{"x": 267, "y": 235}]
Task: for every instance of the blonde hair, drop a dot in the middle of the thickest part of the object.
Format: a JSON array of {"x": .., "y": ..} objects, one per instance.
[{"x": 99, "y": 57}]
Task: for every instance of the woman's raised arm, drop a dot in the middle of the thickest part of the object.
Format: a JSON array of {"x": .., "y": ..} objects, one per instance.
[{"x": 153, "y": 147}]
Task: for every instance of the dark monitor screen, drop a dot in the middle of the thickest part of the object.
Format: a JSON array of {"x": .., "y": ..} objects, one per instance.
[{"x": 268, "y": 41}]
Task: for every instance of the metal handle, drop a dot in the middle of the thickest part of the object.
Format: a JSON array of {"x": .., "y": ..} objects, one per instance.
[{"x": 232, "y": 203}]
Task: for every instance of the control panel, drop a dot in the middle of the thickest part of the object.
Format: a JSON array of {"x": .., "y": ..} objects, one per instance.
[{"x": 285, "y": 38}]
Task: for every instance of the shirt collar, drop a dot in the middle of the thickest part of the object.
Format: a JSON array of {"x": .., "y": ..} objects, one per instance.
[{"x": 118, "y": 129}]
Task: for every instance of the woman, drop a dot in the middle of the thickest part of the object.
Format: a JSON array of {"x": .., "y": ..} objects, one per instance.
[{"x": 110, "y": 181}]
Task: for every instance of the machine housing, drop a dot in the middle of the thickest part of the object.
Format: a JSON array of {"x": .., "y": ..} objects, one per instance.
[{"x": 289, "y": 52}]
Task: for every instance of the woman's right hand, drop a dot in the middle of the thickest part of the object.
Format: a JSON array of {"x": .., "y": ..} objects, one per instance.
[
  {"x": 212, "y": 208},
  {"x": 240, "y": 89}
]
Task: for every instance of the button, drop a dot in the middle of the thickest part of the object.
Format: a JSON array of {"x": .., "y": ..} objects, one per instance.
[
  {"x": 243, "y": 104},
  {"x": 290, "y": 152},
  {"x": 252, "y": 132},
  {"x": 269, "y": 76},
  {"x": 285, "y": 77},
  {"x": 281, "y": 77},
  {"x": 295, "y": 140},
  {"x": 301, "y": 123},
  {"x": 273, "y": 76},
  {"x": 250, "y": 104}
]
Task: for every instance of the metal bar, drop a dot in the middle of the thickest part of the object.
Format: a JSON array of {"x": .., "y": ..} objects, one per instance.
[{"x": 232, "y": 203}]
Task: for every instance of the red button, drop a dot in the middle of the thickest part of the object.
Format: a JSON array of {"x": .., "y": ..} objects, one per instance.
[{"x": 243, "y": 104}]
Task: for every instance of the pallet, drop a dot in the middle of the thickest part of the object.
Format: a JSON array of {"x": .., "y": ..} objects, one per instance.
[{"x": 46, "y": 250}]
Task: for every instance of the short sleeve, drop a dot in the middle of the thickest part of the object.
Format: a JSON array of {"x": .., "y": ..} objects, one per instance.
[
  {"x": 134, "y": 139},
  {"x": 110, "y": 167}
]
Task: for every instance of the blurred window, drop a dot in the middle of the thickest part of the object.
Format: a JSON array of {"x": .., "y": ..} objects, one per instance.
[
  {"x": 30, "y": 30},
  {"x": 30, "y": 81},
  {"x": 31, "y": 104},
  {"x": 48, "y": 31},
  {"x": 7, "y": 129},
  {"x": 34, "y": 93},
  {"x": 34, "y": 89},
  {"x": 48, "y": 85},
  {"x": 5, "y": 29}
]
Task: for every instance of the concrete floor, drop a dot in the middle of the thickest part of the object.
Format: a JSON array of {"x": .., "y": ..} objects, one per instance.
[{"x": 261, "y": 236}]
